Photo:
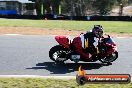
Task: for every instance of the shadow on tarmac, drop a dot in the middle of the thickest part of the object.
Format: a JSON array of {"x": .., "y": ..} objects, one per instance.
[{"x": 54, "y": 68}]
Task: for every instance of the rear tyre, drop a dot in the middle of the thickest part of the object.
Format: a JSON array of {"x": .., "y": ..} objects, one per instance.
[
  {"x": 58, "y": 54},
  {"x": 109, "y": 58}
]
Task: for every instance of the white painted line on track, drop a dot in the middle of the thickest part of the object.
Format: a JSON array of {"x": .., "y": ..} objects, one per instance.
[{"x": 37, "y": 76}]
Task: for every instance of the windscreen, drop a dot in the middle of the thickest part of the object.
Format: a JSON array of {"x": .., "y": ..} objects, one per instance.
[{"x": 110, "y": 40}]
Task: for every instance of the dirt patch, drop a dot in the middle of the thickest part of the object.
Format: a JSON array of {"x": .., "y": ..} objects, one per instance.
[
  {"x": 36, "y": 31},
  {"x": 46, "y": 31}
]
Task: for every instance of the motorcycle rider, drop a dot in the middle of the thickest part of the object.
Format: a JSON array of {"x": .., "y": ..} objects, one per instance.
[{"x": 91, "y": 39}]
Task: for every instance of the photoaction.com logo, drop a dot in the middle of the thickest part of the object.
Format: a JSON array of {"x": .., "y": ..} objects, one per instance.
[{"x": 82, "y": 78}]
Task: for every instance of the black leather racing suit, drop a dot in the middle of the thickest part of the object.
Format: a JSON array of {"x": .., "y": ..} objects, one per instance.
[{"x": 90, "y": 37}]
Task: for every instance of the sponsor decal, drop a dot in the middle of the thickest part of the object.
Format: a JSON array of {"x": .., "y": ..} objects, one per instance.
[{"x": 82, "y": 78}]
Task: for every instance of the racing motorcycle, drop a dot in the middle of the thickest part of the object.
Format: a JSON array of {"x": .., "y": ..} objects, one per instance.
[{"x": 73, "y": 50}]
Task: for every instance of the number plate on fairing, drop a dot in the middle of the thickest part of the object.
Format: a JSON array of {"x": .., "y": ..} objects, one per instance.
[{"x": 75, "y": 57}]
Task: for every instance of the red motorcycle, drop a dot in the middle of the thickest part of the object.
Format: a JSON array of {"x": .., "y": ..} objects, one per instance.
[{"x": 73, "y": 50}]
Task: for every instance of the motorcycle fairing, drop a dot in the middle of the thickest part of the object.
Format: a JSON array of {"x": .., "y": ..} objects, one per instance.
[{"x": 79, "y": 49}]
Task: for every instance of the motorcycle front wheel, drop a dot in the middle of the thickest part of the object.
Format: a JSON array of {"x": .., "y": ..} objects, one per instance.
[
  {"x": 58, "y": 54},
  {"x": 110, "y": 58}
]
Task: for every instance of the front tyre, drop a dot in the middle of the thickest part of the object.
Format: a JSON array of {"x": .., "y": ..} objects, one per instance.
[
  {"x": 58, "y": 54},
  {"x": 109, "y": 58}
]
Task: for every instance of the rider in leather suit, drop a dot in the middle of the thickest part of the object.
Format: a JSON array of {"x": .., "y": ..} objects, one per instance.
[{"x": 91, "y": 39}]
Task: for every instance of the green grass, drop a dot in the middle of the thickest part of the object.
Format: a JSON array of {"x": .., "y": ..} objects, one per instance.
[
  {"x": 52, "y": 83},
  {"x": 109, "y": 26}
]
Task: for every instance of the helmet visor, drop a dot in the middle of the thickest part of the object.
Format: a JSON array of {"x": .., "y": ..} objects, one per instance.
[{"x": 100, "y": 33}]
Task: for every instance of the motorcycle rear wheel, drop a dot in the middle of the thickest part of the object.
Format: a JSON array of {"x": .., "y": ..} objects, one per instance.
[
  {"x": 58, "y": 54},
  {"x": 109, "y": 58}
]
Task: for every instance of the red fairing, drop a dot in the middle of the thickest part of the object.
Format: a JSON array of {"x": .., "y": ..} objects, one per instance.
[
  {"x": 63, "y": 40},
  {"x": 114, "y": 47},
  {"x": 78, "y": 45}
]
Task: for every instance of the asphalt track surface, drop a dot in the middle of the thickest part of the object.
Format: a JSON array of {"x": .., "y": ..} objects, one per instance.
[{"x": 29, "y": 55}]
